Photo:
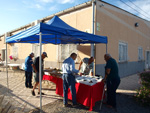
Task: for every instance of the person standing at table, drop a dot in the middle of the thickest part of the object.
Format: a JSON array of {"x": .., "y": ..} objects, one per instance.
[
  {"x": 86, "y": 66},
  {"x": 28, "y": 70},
  {"x": 112, "y": 79},
  {"x": 68, "y": 68},
  {"x": 36, "y": 66}
]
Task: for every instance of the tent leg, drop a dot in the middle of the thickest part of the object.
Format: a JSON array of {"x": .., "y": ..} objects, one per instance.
[
  {"x": 106, "y": 48},
  {"x": 7, "y": 69},
  {"x": 40, "y": 72}
]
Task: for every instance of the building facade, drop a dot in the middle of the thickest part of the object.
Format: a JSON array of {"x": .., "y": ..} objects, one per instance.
[{"x": 128, "y": 39}]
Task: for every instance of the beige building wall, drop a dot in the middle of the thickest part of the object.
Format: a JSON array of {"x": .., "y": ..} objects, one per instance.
[
  {"x": 24, "y": 49},
  {"x": 2, "y": 46},
  {"x": 118, "y": 25},
  {"x": 2, "y": 41}
]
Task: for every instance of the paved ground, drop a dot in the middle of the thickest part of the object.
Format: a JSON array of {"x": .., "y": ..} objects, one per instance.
[
  {"x": 22, "y": 99},
  {"x": 21, "y": 96}
]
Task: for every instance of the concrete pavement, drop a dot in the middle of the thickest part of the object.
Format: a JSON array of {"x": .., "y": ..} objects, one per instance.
[
  {"x": 20, "y": 96},
  {"x": 129, "y": 85},
  {"x": 22, "y": 99}
]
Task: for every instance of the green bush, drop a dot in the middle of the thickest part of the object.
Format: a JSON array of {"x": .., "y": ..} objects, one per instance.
[{"x": 143, "y": 94}]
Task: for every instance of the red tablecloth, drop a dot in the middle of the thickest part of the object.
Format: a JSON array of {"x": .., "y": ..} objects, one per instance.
[{"x": 86, "y": 95}]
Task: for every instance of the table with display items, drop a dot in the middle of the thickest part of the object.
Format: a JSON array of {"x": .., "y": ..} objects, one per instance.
[{"x": 85, "y": 94}]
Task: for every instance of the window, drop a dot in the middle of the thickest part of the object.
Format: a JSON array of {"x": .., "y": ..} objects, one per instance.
[
  {"x": 36, "y": 50},
  {"x": 140, "y": 53},
  {"x": 15, "y": 51},
  {"x": 3, "y": 51},
  {"x": 65, "y": 50},
  {"x": 123, "y": 52}
]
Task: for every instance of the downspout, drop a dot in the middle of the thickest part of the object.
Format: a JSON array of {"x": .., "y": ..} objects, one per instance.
[
  {"x": 93, "y": 31},
  {"x": 93, "y": 27}
]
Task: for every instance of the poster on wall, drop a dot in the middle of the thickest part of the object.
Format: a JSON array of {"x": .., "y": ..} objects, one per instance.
[{"x": 98, "y": 26}]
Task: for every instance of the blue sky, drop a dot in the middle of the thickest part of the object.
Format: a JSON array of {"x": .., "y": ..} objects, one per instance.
[{"x": 17, "y": 13}]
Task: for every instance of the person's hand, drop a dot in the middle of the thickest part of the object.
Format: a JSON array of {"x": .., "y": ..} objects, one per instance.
[
  {"x": 103, "y": 80},
  {"x": 80, "y": 74},
  {"x": 35, "y": 71}
]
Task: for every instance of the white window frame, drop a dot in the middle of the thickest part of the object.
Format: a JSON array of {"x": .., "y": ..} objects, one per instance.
[
  {"x": 15, "y": 51},
  {"x": 123, "y": 51},
  {"x": 140, "y": 53}
]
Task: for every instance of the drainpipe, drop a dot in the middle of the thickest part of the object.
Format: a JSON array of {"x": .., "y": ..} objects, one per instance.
[
  {"x": 93, "y": 26},
  {"x": 93, "y": 31}
]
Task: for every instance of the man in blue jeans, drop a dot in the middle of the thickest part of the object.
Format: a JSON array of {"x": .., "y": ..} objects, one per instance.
[
  {"x": 112, "y": 79},
  {"x": 28, "y": 70},
  {"x": 68, "y": 69}
]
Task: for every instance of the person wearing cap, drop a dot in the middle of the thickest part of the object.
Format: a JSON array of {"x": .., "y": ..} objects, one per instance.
[
  {"x": 86, "y": 66},
  {"x": 28, "y": 70},
  {"x": 36, "y": 65}
]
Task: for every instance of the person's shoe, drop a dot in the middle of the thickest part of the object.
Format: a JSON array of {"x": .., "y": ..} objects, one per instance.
[
  {"x": 114, "y": 108},
  {"x": 75, "y": 105},
  {"x": 104, "y": 102},
  {"x": 33, "y": 93},
  {"x": 109, "y": 106},
  {"x": 41, "y": 93},
  {"x": 30, "y": 86},
  {"x": 67, "y": 105},
  {"x": 26, "y": 86}
]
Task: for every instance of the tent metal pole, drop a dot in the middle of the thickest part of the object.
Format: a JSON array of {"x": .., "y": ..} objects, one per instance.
[
  {"x": 93, "y": 25},
  {"x": 7, "y": 69},
  {"x": 40, "y": 72},
  {"x": 106, "y": 48}
]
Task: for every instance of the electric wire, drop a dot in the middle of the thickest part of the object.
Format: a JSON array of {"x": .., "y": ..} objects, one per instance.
[
  {"x": 134, "y": 9},
  {"x": 139, "y": 7}
]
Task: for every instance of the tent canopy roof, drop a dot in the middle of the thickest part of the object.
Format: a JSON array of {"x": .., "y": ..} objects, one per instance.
[{"x": 55, "y": 31}]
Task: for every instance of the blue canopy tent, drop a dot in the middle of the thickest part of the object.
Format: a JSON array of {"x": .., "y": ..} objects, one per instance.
[{"x": 54, "y": 31}]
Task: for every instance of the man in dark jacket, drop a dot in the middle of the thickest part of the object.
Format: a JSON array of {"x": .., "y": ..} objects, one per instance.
[{"x": 112, "y": 79}]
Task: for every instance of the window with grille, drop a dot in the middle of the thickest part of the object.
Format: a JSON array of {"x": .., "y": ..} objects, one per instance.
[
  {"x": 65, "y": 51},
  {"x": 123, "y": 52},
  {"x": 140, "y": 53},
  {"x": 36, "y": 50}
]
